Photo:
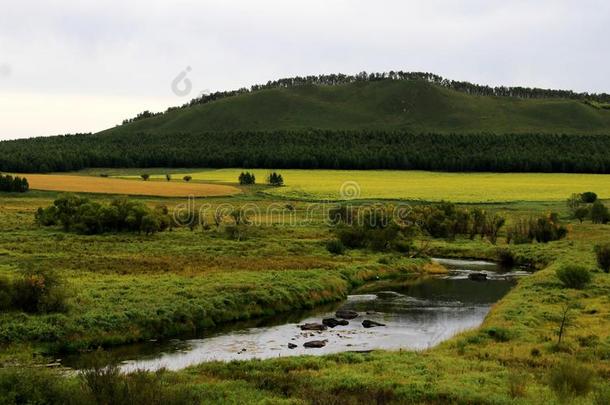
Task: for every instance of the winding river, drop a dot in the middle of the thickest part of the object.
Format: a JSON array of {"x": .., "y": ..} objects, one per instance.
[{"x": 417, "y": 314}]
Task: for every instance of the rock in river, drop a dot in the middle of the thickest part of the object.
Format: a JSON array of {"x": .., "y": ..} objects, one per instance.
[
  {"x": 477, "y": 276},
  {"x": 388, "y": 295},
  {"x": 346, "y": 314},
  {"x": 292, "y": 346},
  {"x": 371, "y": 324},
  {"x": 332, "y": 322},
  {"x": 313, "y": 326},
  {"x": 315, "y": 344}
]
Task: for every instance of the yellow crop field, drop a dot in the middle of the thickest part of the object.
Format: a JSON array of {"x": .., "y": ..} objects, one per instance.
[
  {"x": 88, "y": 184},
  {"x": 421, "y": 185}
]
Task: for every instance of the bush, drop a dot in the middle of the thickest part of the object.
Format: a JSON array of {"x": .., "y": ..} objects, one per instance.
[
  {"x": 573, "y": 276},
  {"x": 187, "y": 178},
  {"x": 39, "y": 292},
  {"x": 145, "y": 176},
  {"x": 602, "y": 253},
  {"x": 599, "y": 213},
  {"x": 569, "y": 379},
  {"x": 581, "y": 213},
  {"x": 589, "y": 197},
  {"x": 506, "y": 257},
  {"x": 34, "y": 386},
  {"x": 498, "y": 334},
  {"x": 335, "y": 247}
]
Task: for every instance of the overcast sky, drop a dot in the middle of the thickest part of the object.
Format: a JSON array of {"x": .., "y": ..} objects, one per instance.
[{"x": 83, "y": 66}]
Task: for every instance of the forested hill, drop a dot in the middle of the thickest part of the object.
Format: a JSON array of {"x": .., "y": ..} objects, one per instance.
[
  {"x": 413, "y": 105},
  {"x": 390, "y": 121}
]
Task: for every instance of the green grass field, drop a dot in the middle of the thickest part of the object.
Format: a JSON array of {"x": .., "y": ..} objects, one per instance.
[{"x": 416, "y": 185}]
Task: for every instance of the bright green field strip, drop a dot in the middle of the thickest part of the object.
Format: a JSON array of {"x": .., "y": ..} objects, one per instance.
[{"x": 415, "y": 185}]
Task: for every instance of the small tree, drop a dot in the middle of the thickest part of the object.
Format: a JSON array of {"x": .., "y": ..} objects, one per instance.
[
  {"x": 187, "y": 178},
  {"x": 168, "y": 177},
  {"x": 574, "y": 202},
  {"x": 493, "y": 226},
  {"x": 581, "y": 213},
  {"x": 602, "y": 252},
  {"x": 589, "y": 197},
  {"x": 145, "y": 176},
  {"x": 599, "y": 213}
]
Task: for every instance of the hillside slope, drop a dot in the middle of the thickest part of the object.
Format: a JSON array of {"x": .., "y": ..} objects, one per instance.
[{"x": 407, "y": 105}]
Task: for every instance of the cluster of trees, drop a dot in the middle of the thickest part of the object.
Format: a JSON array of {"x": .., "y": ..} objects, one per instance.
[
  {"x": 445, "y": 220},
  {"x": 247, "y": 179},
  {"x": 141, "y": 116},
  {"x": 338, "y": 79},
  {"x": 373, "y": 228},
  {"x": 586, "y": 205},
  {"x": 391, "y": 228},
  {"x": 14, "y": 184},
  {"x": 81, "y": 215},
  {"x": 388, "y": 228},
  {"x": 544, "y": 229},
  {"x": 313, "y": 149},
  {"x": 275, "y": 179}
]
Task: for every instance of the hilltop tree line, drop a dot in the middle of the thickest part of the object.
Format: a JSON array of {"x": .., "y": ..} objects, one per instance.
[
  {"x": 14, "y": 184},
  {"x": 323, "y": 149},
  {"x": 338, "y": 79}
]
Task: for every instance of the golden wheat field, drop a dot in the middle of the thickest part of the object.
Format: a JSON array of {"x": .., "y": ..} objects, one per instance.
[{"x": 88, "y": 184}]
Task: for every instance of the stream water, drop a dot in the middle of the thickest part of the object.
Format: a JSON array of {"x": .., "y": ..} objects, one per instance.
[{"x": 417, "y": 314}]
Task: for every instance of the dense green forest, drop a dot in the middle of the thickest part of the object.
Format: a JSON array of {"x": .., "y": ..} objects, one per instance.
[{"x": 313, "y": 149}]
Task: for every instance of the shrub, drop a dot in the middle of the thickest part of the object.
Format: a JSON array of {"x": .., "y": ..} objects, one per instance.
[
  {"x": 588, "y": 197},
  {"x": 39, "y": 292},
  {"x": 498, "y": 334},
  {"x": 506, "y": 257},
  {"x": 573, "y": 276},
  {"x": 602, "y": 253},
  {"x": 335, "y": 247},
  {"x": 34, "y": 386},
  {"x": 168, "y": 177},
  {"x": 569, "y": 379},
  {"x": 187, "y": 178},
  {"x": 581, "y": 213},
  {"x": 599, "y": 213},
  {"x": 104, "y": 383},
  {"x": 145, "y": 176}
]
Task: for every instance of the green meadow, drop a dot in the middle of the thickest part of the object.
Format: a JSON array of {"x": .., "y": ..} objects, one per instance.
[{"x": 125, "y": 288}]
